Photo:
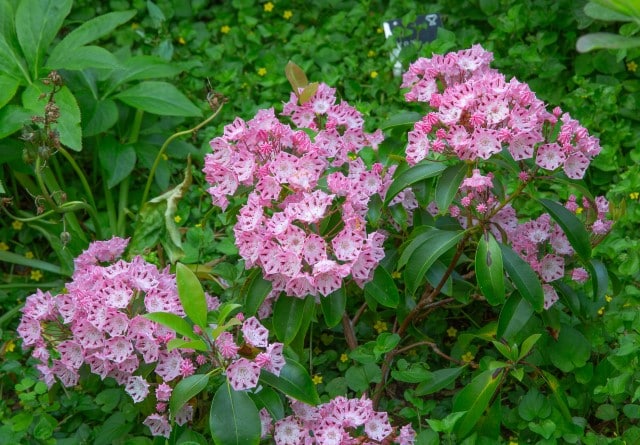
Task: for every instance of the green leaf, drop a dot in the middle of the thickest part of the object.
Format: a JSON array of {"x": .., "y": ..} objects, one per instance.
[
  {"x": 186, "y": 389},
  {"x": 11, "y": 62},
  {"x": 475, "y": 398},
  {"x": 489, "y": 271},
  {"x": 191, "y": 295},
  {"x": 558, "y": 394},
  {"x": 90, "y": 31},
  {"x": 427, "y": 254},
  {"x": 571, "y": 226},
  {"x": 12, "y": 119},
  {"x": 605, "y": 40},
  {"x": 448, "y": 185},
  {"x": 269, "y": 399},
  {"x": 82, "y": 58},
  {"x": 294, "y": 381},
  {"x": 158, "y": 98},
  {"x": 143, "y": 68},
  {"x": 234, "y": 418},
  {"x": 415, "y": 373},
  {"x": 37, "y": 24},
  {"x": 360, "y": 377},
  {"x": 256, "y": 291},
  {"x": 600, "y": 277},
  {"x": 523, "y": 277},
  {"x": 116, "y": 159},
  {"x": 571, "y": 351},
  {"x": 11, "y": 257},
  {"x": 179, "y": 343},
  {"x": 438, "y": 380},
  {"x": 407, "y": 118},
  {"x": 98, "y": 116},
  {"x": 295, "y": 76},
  {"x": 382, "y": 288},
  {"x": 418, "y": 237},
  {"x": 601, "y": 12},
  {"x": 515, "y": 314},
  {"x": 333, "y": 306},
  {"x": 528, "y": 344},
  {"x": 173, "y": 322},
  {"x": 287, "y": 317},
  {"x": 8, "y": 88},
  {"x": 115, "y": 427},
  {"x": 419, "y": 172}
]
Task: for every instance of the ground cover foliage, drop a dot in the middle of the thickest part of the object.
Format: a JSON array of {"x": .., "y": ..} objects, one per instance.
[{"x": 231, "y": 207}]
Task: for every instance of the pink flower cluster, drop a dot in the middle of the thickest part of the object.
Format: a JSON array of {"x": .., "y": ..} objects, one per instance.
[
  {"x": 99, "y": 322},
  {"x": 304, "y": 220},
  {"x": 476, "y": 113},
  {"x": 340, "y": 421}
]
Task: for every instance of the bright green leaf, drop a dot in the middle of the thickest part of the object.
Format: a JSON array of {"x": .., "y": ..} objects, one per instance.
[
  {"x": 191, "y": 295},
  {"x": 333, "y": 306},
  {"x": 571, "y": 226},
  {"x": 523, "y": 277},
  {"x": 294, "y": 381},
  {"x": 475, "y": 398},
  {"x": 82, "y": 58},
  {"x": 448, "y": 185},
  {"x": 407, "y": 118},
  {"x": 605, "y": 40},
  {"x": 438, "y": 380},
  {"x": 419, "y": 172},
  {"x": 186, "y": 389},
  {"x": 287, "y": 317},
  {"x": 116, "y": 159},
  {"x": 600, "y": 278},
  {"x": 173, "y": 322},
  {"x": 382, "y": 288},
  {"x": 8, "y": 88},
  {"x": 528, "y": 344},
  {"x": 256, "y": 291},
  {"x": 489, "y": 270}
]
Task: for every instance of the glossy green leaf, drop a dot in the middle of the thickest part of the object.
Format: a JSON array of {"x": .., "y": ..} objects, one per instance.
[
  {"x": 191, "y": 295},
  {"x": 515, "y": 314},
  {"x": 333, "y": 306},
  {"x": 426, "y": 254},
  {"x": 523, "y": 277},
  {"x": 234, "y": 418},
  {"x": 382, "y": 288},
  {"x": 295, "y": 76},
  {"x": 489, "y": 270},
  {"x": 605, "y": 40},
  {"x": 158, "y": 98},
  {"x": 294, "y": 381},
  {"x": 8, "y": 88},
  {"x": 419, "y": 236},
  {"x": 37, "y": 24},
  {"x": 438, "y": 380},
  {"x": 528, "y": 344},
  {"x": 269, "y": 399},
  {"x": 407, "y": 118},
  {"x": 287, "y": 317},
  {"x": 448, "y": 185},
  {"x": 11, "y": 62},
  {"x": 186, "y": 389},
  {"x": 475, "y": 398},
  {"x": 599, "y": 277},
  {"x": 116, "y": 159},
  {"x": 173, "y": 322},
  {"x": 571, "y": 226},
  {"x": 419, "y": 172},
  {"x": 179, "y": 343},
  {"x": 256, "y": 291}
]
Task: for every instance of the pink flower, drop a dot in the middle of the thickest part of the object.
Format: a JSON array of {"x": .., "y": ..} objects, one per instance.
[
  {"x": 163, "y": 392},
  {"x": 288, "y": 431},
  {"x": 255, "y": 334},
  {"x": 158, "y": 424},
  {"x": 243, "y": 374},
  {"x": 227, "y": 345},
  {"x": 137, "y": 387}
]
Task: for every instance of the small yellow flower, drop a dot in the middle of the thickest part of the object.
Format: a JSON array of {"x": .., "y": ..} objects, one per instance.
[
  {"x": 17, "y": 225},
  {"x": 579, "y": 210},
  {"x": 165, "y": 157},
  {"x": 467, "y": 357},
  {"x": 344, "y": 357},
  {"x": 3, "y": 246},
  {"x": 199, "y": 225},
  {"x": 181, "y": 40},
  {"x": 601, "y": 311},
  {"x": 177, "y": 219},
  {"x": 379, "y": 30},
  {"x": 268, "y": 7},
  {"x": 395, "y": 274},
  {"x": 36, "y": 275},
  {"x": 262, "y": 71},
  {"x": 512, "y": 442},
  {"x": 634, "y": 195},
  {"x": 225, "y": 29},
  {"x": 452, "y": 332},
  {"x": 374, "y": 74},
  {"x": 28, "y": 255},
  {"x": 135, "y": 26},
  {"x": 608, "y": 298},
  {"x": 317, "y": 350},
  {"x": 10, "y": 346},
  {"x": 380, "y": 326},
  {"x": 316, "y": 379},
  {"x": 632, "y": 66},
  {"x": 287, "y": 15}
]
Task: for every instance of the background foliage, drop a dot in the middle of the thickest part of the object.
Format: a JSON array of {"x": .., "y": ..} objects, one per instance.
[{"x": 115, "y": 133}]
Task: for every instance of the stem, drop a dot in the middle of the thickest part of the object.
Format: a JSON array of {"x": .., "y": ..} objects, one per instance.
[
  {"x": 123, "y": 200},
  {"x": 111, "y": 208},
  {"x": 349, "y": 334},
  {"x": 81, "y": 175},
  {"x": 154, "y": 167}
]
